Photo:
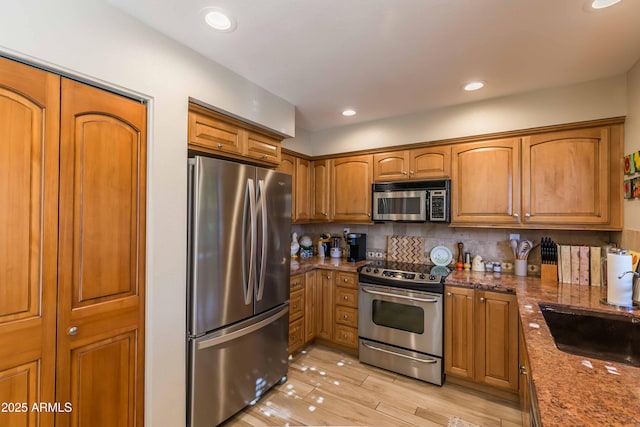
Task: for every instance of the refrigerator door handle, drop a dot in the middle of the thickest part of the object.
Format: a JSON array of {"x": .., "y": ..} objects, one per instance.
[
  {"x": 248, "y": 281},
  {"x": 242, "y": 332},
  {"x": 263, "y": 263}
]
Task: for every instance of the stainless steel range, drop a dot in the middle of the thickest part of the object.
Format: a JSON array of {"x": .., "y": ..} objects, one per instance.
[{"x": 400, "y": 318}]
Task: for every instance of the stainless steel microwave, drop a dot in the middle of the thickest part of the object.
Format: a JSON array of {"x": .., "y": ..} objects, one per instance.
[{"x": 412, "y": 201}]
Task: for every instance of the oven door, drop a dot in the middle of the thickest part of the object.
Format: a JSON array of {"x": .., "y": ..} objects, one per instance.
[
  {"x": 400, "y": 205},
  {"x": 401, "y": 317}
]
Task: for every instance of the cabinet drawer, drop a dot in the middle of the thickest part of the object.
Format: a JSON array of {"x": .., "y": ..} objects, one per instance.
[
  {"x": 263, "y": 148},
  {"x": 347, "y": 316},
  {"x": 346, "y": 336},
  {"x": 296, "y": 335},
  {"x": 296, "y": 305},
  {"x": 215, "y": 134},
  {"x": 296, "y": 282},
  {"x": 346, "y": 296},
  {"x": 349, "y": 280}
]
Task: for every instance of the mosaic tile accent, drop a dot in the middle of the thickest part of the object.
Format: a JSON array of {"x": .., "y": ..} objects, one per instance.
[{"x": 405, "y": 249}]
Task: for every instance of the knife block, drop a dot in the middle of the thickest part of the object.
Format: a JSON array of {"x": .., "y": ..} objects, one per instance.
[{"x": 549, "y": 272}]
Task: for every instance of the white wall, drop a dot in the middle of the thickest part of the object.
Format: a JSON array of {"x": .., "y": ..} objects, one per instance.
[
  {"x": 632, "y": 141},
  {"x": 586, "y": 101},
  {"x": 92, "y": 39}
]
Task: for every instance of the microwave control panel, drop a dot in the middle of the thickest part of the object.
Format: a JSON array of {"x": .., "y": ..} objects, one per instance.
[{"x": 438, "y": 205}]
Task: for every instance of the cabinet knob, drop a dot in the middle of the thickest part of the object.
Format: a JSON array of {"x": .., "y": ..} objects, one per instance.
[
  {"x": 325, "y": 214},
  {"x": 515, "y": 215},
  {"x": 220, "y": 146},
  {"x": 328, "y": 276},
  {"x": 523, "y": 370},
  {"x": 369, "y": 214},
  {"x": 264, "y": 156},
  {"x": 482, "y": 299},
  {"x": 345, "y": 280},
  {"x": 295, "y": 307},
  {"x": 73, "y": 330},
  {"x": 404, "y": 172},
  {"x": 527, "y": 215},
  {"x": 448, "y": 294},
  {"x": 346, "y": 298},
  {"x": 345, "y": 317},
  {"x": 411, "y": 172}
]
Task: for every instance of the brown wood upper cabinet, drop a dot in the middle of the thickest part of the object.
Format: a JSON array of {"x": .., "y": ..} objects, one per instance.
[
  {"x": 215, "y": 133},
  {"x": 419, "y": 163},
  {"x": 485, "y": 182},
  {"x": 351, "y": 179},
  {"x": 320, "y": 183},
  {"x": 568, "y": 179},
  {"x": 300, "y": 171}
]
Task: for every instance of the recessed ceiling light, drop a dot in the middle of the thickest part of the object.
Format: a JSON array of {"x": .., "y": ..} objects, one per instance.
[
  {"x": 219, "y": 20},
  {"x": 349, "y": 112},
  {"x": 601, "y": 4},
  {"x": 473, "y": 86}
]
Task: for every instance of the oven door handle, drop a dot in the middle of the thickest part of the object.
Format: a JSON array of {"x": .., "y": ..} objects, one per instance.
[
  {"x": 369, "y": 291},
  {"x": 399, "y": 355}
]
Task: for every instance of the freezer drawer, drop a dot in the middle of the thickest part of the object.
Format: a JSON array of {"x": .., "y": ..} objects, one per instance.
[{"x": 233, "y": 367}]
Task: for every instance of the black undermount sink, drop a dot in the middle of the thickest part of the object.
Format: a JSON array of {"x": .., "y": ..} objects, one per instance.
[{"x": 603, "y": 336}]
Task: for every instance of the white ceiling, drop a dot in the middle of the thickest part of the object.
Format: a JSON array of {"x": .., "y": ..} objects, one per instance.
[{"x": 392, "y": 57}]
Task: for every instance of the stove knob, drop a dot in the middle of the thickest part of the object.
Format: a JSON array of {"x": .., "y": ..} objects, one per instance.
[
  {"x": 422, "y": 277},
  {"x": 432, "y": 277},
  {"x": 368, "y": 270},
  {"x": 376, "y": 271}
]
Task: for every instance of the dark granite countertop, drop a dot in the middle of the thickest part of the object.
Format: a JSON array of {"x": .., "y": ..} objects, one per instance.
[{"x": 570, "y": 390}]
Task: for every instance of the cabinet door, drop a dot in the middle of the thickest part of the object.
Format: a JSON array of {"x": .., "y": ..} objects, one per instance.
[
  {"x": 29, "y": 129},
  {"x": 430, "y": 162},
  {"x": 320, "y": 190},
  {"x": 215, "y": 135},
  {"x": 310, "y": 306},
  {"x": 101, "y": 265},
  {"x": 391, "y": 166},
  {"x": 261, "y": 147},
  {"x": 288, "y": 165},
  {"x": 525, "y": 390},
  {"x": 485, "y": 182},
  {"x": 565, "y": 177},
  {"x": 351, "y": 189},
  {"x": 459, "y": 327},
  {"x": 497, "y": 340},
  {"x": 324, "y": 304},
  {"x": 303, "y": 189}
]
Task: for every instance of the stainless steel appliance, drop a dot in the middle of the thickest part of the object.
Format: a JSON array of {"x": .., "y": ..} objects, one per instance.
[
  {"x": 238, "y": 280},
  {"x": 357, "y": 243},
  {"x": 412, "y": 201},
  {"x": 400, "y": 318}
]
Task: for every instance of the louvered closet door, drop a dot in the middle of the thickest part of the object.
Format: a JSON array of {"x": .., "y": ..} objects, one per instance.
[
  {"x": 29, "y": 117},
  {"x": 101, "y": 262}
]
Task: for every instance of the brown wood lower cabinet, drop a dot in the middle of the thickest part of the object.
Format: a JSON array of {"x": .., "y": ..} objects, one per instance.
[
  {"x": 72, "y": 273},
  {"x": 323, "y": 304},
  {"x": 481, "y": 337}
]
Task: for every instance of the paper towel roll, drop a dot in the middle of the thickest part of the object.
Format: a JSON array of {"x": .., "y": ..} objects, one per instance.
[{"x": 619, "y": 291}]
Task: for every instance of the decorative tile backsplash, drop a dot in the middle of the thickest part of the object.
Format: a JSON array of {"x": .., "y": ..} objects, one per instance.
[
  {"x": 490, "y": 243},
  {"x": 405, "y": 249}
]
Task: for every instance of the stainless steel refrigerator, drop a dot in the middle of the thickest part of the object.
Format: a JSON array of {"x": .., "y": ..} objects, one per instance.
[{"x": 238, "y": 280}]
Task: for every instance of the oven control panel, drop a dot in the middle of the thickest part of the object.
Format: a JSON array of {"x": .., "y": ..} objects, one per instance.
[{"x": 376, "y": 272}]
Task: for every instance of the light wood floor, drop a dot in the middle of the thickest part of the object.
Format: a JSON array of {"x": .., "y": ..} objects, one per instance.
[{"x": 327, "y": 387}]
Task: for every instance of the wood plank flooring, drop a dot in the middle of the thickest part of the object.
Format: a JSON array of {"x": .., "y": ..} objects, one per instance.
[{"x": 328, "y": 387}]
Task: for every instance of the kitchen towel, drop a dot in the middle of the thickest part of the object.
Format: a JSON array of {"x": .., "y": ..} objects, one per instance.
[{"x": 405, "y": 249}]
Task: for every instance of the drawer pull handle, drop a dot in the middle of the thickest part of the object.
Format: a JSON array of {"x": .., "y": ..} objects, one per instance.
[
  {"x": 399, "y": 355},
  {"x": 386, "y": 294}
]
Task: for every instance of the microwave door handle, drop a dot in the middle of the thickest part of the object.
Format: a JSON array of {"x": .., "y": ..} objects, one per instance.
[
  {"x": 369, "y": 291},
  {"x": 263, "y": 258}
]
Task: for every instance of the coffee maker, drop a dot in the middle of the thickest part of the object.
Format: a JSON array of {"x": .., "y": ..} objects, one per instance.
[{"x": 357, "y": 246}]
